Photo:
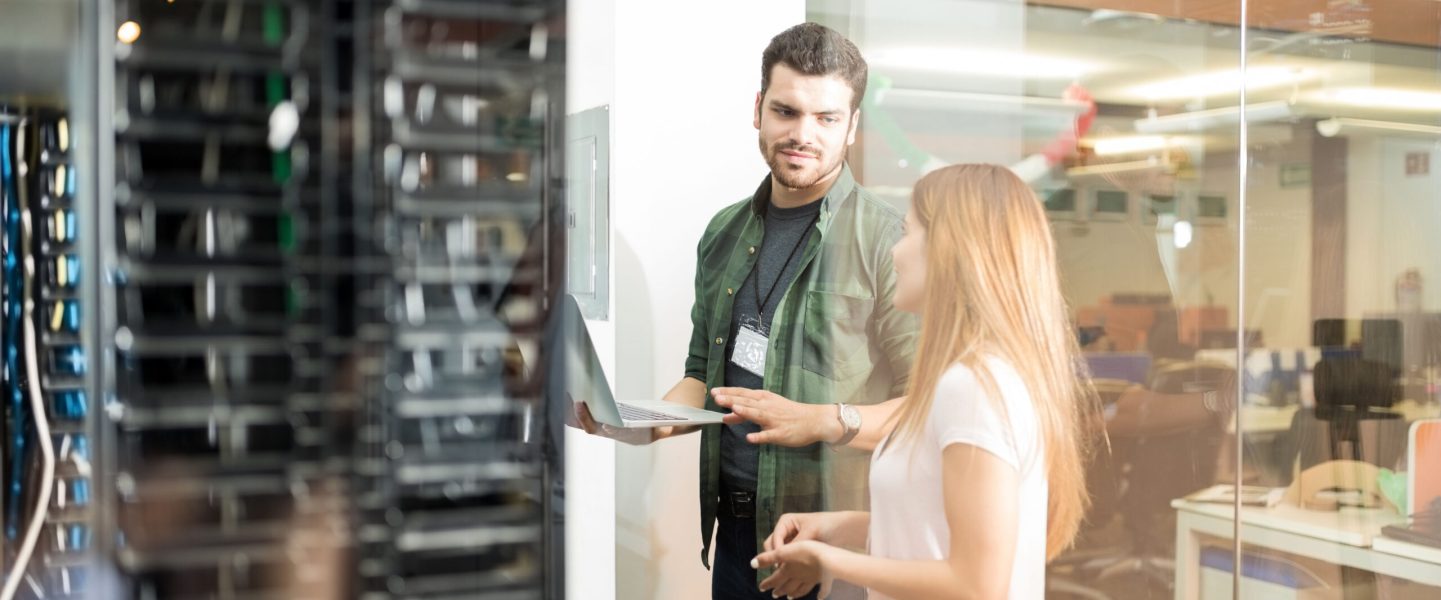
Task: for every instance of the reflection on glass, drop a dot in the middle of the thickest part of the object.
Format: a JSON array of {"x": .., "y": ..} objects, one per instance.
[
  {"x": 1334, "y": 350},
  {"x": 1341, "y": 374},
  {"x": 1060, "y": 201},
  {"x": 1112, "y": 203}
]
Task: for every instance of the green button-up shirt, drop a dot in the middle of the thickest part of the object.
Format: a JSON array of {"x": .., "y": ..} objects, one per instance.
[{"x": 835, "y": 337}]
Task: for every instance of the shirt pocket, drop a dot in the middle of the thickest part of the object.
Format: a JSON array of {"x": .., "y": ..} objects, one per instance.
[{"x": 837, "y": 342}]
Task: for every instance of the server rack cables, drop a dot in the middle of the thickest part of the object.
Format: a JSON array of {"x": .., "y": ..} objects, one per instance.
[
  {"x": 10, "y": 274},
  {"x": 50, "y": 224},
  {"x": 48, "y": 515},
  {"x": 42, "y": 428}
]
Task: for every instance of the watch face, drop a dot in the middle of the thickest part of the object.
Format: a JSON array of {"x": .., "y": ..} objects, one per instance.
[{"x": 851, "y": 416}]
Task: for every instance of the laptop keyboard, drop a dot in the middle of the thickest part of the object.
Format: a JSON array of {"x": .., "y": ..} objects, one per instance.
[{"x": 634, "y": 413}]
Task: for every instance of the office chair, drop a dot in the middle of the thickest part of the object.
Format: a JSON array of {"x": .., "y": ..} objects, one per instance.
[
  {"x": 1351, "y": 419},
  {"x": 1163, "y": 341},
  {"x": 1172, "y": 452},
  {"x": 1067, "y": 575},
  {"x": 1102, "y": 475}
]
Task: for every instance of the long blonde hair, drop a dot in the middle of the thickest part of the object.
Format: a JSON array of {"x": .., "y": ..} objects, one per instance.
[{"x": 992, "y": 290}]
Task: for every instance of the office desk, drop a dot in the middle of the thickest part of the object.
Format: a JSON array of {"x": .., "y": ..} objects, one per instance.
[
  {"x": 1259, "y": 419},
  {"x": 1262, "y": 419},
  {"x": 1342, "y": 538}
]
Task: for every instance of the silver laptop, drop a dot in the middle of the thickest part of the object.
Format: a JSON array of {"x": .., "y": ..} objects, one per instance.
[{"x": 586, "y": 382}]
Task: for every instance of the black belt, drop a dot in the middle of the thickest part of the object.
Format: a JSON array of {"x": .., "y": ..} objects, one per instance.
[{"x": 737, "y": 505}]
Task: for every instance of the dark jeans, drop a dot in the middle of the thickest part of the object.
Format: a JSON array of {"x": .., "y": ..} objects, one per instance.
[{"x": 735, "y": 545}]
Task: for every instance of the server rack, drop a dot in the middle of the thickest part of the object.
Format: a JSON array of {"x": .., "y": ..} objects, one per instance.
[
  {"x": 219, "y": 441},
  {"x": 290, "y": 318},
  {"x": 462, "y": 97}
]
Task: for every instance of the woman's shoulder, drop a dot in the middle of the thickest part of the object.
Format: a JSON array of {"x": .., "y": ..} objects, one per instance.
[
  {"x": 957, "y": 377},
  {"x": 965, "y": 410},
  {"x": 962, "y": 378},
  {"x": 960, "y": 389}
]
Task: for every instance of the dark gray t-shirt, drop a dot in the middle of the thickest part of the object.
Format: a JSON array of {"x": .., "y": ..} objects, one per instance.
[{"x": 786, "y": 231}]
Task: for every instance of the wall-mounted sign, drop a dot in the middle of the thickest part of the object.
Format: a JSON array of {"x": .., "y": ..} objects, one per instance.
[{"x": 1295, "y": 175}]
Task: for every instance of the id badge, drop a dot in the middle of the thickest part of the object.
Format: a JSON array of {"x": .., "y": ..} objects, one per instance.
[{"x": 750, "y": 351}]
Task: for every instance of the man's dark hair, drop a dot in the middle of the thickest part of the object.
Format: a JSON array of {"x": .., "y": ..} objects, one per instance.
[{"x": 814, "y": 49}]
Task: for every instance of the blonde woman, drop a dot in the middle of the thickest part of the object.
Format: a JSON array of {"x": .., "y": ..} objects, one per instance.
[{"x": 979, "y": 481}]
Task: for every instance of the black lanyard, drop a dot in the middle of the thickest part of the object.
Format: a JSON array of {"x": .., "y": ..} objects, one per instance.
[{"x": 761, "y": 305}]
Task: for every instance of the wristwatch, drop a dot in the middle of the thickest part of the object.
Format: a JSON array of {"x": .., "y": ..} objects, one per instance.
[{"x": 850, "y": 419}]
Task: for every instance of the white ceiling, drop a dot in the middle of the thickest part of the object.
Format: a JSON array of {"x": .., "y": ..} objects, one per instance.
[{"x": 1126, "y": 52}]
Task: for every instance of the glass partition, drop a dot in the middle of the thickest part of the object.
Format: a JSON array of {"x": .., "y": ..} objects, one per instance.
[
  {"x": 1246, "y": 239},
  {"x": 1341, "y": 208},
  {"x": 1144, "y": 209},
  {"x": 1243, "y": 201}
]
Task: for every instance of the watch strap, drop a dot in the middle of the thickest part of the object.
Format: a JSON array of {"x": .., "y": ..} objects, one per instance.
[{"x": 849, "y": 431}]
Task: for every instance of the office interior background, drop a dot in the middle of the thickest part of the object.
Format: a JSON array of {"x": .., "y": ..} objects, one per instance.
[
  {"x": 1303, "y": 219},
  {"x": 276, "y": 274}
]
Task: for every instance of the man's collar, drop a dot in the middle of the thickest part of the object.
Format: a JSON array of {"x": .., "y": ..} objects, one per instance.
[{"x": 841, "y": 189}]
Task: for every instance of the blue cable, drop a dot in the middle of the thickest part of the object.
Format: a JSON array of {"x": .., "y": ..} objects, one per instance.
[
  {"x": 80, "y": 491},
  {"x": 63, "y": 316},
  {"x": 81, "y": 447},
  {"x": 69, "y": 360},
  {"x": 71, "y": 319},
  {"x": 79, "y": 537},
  {"x": 70, "y": 276},
  {"x": 70, "y": 227},
  {"x": 70, "y": 405},
  {"x": 14, "y": 290}
]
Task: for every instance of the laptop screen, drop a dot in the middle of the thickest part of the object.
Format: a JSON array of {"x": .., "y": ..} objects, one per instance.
[{"x": 585, "y": 379}]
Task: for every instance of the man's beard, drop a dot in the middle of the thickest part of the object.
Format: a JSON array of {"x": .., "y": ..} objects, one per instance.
[{"x": 797, "y": 177}]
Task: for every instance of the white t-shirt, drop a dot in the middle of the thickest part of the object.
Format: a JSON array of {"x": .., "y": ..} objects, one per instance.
[{"x": 908, "y": 518}]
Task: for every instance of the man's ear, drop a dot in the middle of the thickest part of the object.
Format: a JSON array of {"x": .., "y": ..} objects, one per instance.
[
  {"x": 757, "y": 118},
  {"x": 855, "y": 126}
]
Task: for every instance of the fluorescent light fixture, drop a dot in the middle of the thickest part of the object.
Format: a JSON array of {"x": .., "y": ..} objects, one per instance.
[
  {"x": 1119, "y": 167},
  {"x": 973, "y": 102},
  {"x": 981, "y": 61},
  {"x": 1221, "y": 83},
  {"x": 1217, "y": 118},
  {"x": 1133, "y": 144},
  {"x": 1391, "y": 98},
  {"x": 1334, "y": 127}
]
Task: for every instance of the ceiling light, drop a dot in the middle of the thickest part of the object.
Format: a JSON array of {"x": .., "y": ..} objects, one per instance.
[
  {"x": 1103, "y": 15},
  {"x": 1182, "y": 234},
  {"x": 1392, "y": 98},
  {"x": 969, "y": 101},
  {"x": 128, "y": 32},
  {"x": 1221, "y": 83},
  {"x": 1103, "y": 169},
  {"x": 1216, "y": 118},
  {"x": 981, "y": 61},
  {"x": 1334, "y": 127},
  {"x": 1133, "y": 144}
]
